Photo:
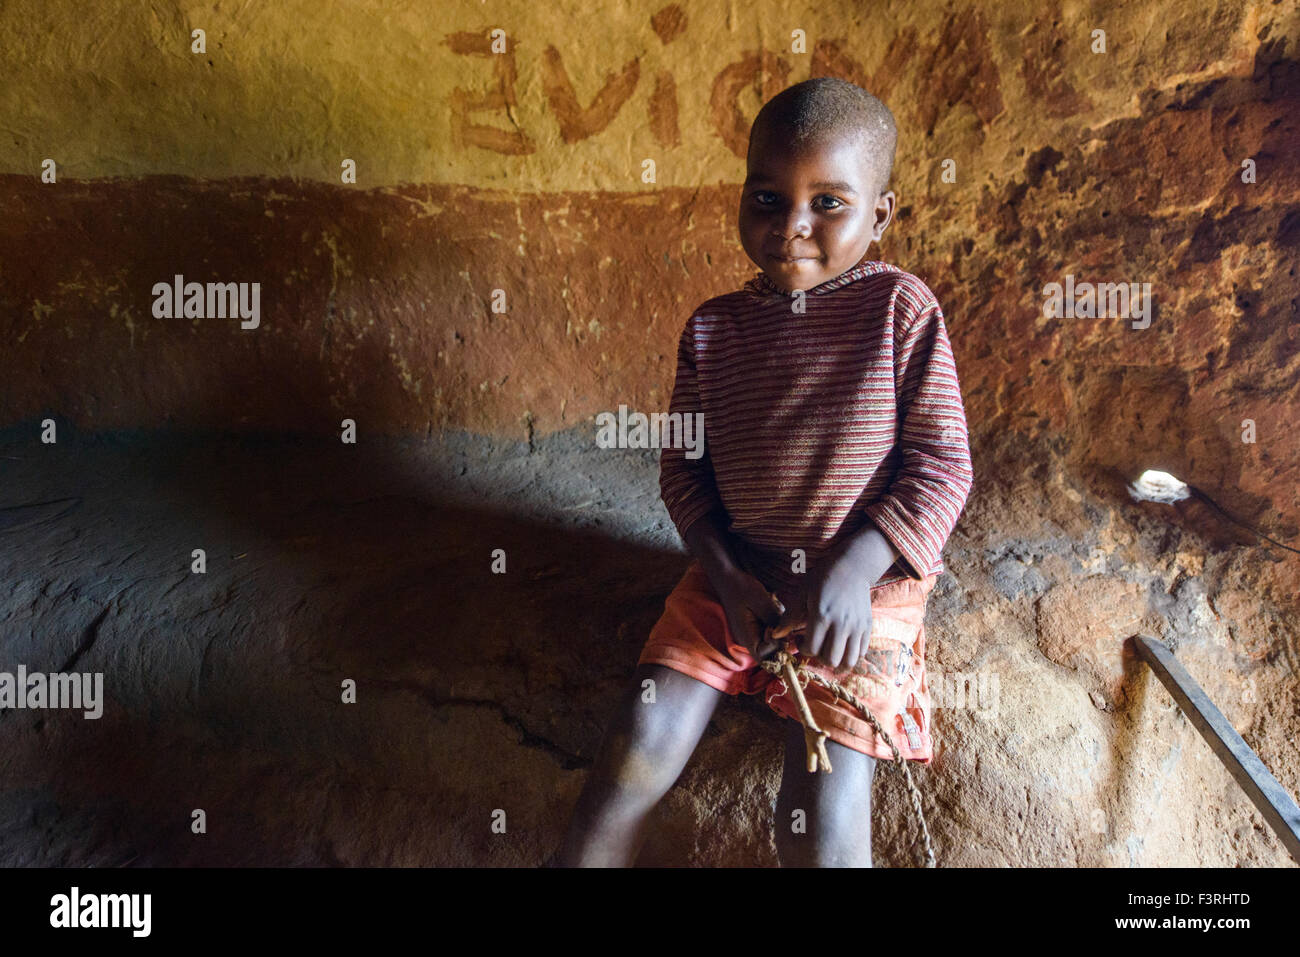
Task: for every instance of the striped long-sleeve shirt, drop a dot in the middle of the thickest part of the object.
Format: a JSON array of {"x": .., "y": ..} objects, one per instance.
[{"x": 817, "y": 422}]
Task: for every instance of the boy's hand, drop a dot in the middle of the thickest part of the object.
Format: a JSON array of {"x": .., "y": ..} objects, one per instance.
[
  {"x": 750, "y": 608},
  {"x": 838, "y": 614}
]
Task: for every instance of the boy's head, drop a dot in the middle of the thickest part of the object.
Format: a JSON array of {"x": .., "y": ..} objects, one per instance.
[{"x": 816, "y": 191}]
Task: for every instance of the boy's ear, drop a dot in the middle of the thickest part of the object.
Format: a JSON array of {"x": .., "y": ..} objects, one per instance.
[{"x": 886, "y": 203}]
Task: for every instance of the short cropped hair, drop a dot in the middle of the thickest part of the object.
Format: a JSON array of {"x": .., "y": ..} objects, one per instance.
[{"x": 827, "y": 107}]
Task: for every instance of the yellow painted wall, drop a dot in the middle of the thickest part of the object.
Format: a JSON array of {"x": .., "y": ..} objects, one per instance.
[{"x": 584, "y": 92}]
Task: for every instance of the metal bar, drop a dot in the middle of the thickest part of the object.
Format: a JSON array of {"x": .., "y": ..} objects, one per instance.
[{"x": 1273, "y": 801}]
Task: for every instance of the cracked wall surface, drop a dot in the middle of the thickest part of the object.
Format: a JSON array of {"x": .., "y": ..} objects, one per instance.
[{"x": 523, "y": 172}]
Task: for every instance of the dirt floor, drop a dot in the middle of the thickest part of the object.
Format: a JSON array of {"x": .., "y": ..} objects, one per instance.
[{"x": 478, "y": 693}]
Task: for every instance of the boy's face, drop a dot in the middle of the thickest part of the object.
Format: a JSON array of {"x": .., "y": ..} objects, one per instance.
[{"x": 808, "y": 216}]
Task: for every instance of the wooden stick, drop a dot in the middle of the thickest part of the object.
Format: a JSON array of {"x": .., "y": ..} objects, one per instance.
[{"x": 814, "y": 738}]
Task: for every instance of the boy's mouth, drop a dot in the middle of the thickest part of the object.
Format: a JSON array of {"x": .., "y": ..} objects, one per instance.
[{"x": 791, "y": 260}]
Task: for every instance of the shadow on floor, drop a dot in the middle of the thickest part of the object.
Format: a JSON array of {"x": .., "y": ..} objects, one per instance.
[{"x": 224, "y": 690}]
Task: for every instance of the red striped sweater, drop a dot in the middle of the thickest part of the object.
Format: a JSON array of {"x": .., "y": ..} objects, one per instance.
[{"x": 815, "y": 423}]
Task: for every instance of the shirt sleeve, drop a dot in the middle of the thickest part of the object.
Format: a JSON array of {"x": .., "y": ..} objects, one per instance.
[
  {"x": 687, "y": 485},
  {"x": 919, "y": 509}
]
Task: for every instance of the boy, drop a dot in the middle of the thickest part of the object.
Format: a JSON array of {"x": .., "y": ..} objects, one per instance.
[{"x": 835, "y": 467}]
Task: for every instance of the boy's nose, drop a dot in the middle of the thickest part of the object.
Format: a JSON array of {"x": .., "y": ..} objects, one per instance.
[{"x": 795, "y": 226}]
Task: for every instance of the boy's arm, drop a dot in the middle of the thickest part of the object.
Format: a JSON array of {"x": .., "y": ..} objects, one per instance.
[
  {"x": 686, "y": 485},
  {"x": 920, "y": 508},
  {"x": 867, "y": 551},
  {"x": 709, "y": 543},
  {"x": 690, "y": 494}
]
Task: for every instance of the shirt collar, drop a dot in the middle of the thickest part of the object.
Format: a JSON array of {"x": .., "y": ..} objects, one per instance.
[{"x": 760, "y": 285}]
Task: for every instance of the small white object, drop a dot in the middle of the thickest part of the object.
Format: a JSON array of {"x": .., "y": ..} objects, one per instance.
[{"x": 1154, "y": 486}]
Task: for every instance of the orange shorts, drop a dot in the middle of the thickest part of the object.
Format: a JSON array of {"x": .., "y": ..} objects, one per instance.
[{"x": 692, "y": 637}]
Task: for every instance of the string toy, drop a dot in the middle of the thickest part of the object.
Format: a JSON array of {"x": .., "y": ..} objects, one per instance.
[{"x": 792, "y": 670}]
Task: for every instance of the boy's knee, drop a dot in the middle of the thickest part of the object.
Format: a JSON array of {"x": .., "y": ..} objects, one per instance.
[
  {"x": 820, "y": 825},
  {"x": 651, "y": 740},
  {"x": 637, "y": 762},
  {"x": 634, "y": 764},
  {"x": 816, "y": 848}
]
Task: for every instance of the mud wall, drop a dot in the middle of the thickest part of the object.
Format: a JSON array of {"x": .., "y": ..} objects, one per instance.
[{"x": 533, "y": 215}]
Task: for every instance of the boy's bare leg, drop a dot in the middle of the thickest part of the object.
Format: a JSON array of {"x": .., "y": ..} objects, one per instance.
[
  {"x": 836, "y": 829},
  {"x": 642, "y": 754}
]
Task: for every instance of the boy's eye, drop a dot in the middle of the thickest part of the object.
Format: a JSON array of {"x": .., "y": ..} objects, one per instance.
[{"x": 767, "y": 198}]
